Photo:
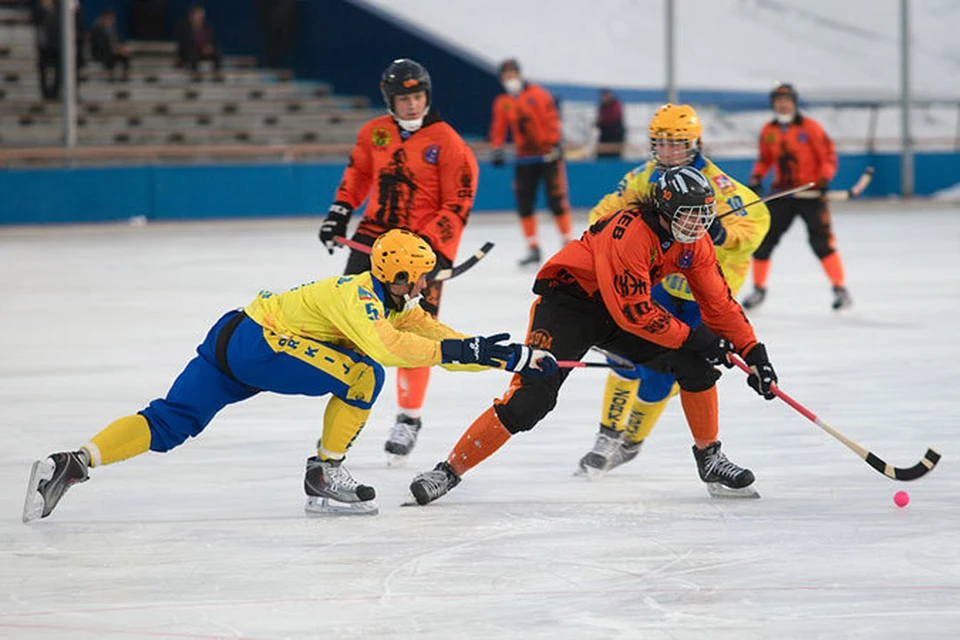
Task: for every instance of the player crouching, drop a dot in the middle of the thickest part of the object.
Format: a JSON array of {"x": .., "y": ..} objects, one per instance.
[{"x": 331, "y": 337}]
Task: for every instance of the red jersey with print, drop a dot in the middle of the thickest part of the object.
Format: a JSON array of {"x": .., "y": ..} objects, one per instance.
[
  {"x": 533, "y": 118},
  {"x": 799, "y": 152},
  {"x": 621, "y": 257},
  {"x": 424, "y": 182}
]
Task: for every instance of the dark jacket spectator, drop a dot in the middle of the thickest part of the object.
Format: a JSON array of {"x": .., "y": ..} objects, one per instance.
[
  {"x": 106, "y": 46},
  {"x": 46, "y": 20},
  {"x": 197, "y": 42},
  {"x": 610, "y": 124}
]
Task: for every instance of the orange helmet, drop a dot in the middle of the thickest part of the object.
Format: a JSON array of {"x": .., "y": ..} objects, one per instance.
[
  {"x": 400, "y": 257},
  {"x": 673, "y": 124}
]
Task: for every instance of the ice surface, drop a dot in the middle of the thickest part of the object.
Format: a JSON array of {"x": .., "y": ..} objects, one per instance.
[{"x": 210, "y": 540}]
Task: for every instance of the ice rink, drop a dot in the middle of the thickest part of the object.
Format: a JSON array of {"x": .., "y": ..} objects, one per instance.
[{"x": 210, "y": 540}]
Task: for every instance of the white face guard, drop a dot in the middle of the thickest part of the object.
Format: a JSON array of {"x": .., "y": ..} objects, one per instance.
[
  {"x": 690, "y": 223},
  {"x": 513, "y": 86},
  {"x": 411, "y": 125},
  {"x": 673, "y": 152}
]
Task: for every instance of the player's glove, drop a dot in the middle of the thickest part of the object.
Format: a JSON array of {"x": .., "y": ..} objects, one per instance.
[
  {"x": 496, "y": 157},
  {"x": 335, "y": 225},
  {"x": 487, "y": 352},
  {"x": 712, "y": 347},
  {"x": 763, "y": 377},
  {"x": 532, "y": 363},
  {"x": 756, "y": 185},
  {"x": 718, "y": 232}
]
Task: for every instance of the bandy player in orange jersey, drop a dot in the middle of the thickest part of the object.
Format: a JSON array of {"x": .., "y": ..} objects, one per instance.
[{"x": 419, "y": 175}]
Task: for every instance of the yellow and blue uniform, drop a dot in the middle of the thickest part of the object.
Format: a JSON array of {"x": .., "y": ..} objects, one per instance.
[
  {"x": 744, "y": 231},
  {"x": 333, "y": 336}
]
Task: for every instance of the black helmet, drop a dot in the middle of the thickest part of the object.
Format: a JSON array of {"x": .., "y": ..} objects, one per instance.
[
  {"x": 784, "y": 89},
  {"x": 686, "y": 202},
  {"x": 404, "y": 76},
  {"x": 510, "y": 64}
]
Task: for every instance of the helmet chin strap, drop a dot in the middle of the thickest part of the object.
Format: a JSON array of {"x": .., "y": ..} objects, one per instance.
[
  {"x": 410, "y": 303},
  {"x": 411, "y": 125},
  {"x": 785, "y": 118}
]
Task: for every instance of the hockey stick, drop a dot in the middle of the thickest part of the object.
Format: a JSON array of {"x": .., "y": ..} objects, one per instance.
[
  {"x": 840, "y": 195},
  {"x": 442, "y": 274},
  {"x": 577, "y": 364},
  {"x": 929, "y": 461},
  {"x": 772, "y": 196}
]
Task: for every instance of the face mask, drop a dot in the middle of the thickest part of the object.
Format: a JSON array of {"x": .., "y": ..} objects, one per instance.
[
  {"x": 513, "y": 86},
  {"x": 410, "y": 303},
  {"x": 785, "y": 118}
]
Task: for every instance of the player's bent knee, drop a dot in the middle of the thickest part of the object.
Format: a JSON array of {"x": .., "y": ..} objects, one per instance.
[
  {"x": 527, "y": 406},
  {"x": 365, "y": 382},
  {"x": 654, "y": 386},
  {"x": 692, "y": 372},
  {"x": 169, "y": 429}
]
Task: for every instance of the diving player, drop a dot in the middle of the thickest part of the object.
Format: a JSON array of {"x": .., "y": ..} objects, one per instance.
[
  {"x": 332, "y": 337},
  {"x": 416, "y": 173},
  {"x": 634, "y": 400}
]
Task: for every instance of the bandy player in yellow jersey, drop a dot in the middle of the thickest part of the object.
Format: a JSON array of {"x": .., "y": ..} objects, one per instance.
[
  {"x": 332, "y": 337},
  {"x": 634, "y": 400}
]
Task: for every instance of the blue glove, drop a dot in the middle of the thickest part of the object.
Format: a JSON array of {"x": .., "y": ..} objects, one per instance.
[
  {"x": 487, "y": 352},
  {"x": 718, "y": 232}
]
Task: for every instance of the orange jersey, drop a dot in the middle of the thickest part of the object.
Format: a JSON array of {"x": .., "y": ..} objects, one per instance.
[
  {"x": 800, "y": 152},
  {"x": 425, "y": 184},
  {"x": 533, "y": 118},
  {"x": 621, "y": 257}
]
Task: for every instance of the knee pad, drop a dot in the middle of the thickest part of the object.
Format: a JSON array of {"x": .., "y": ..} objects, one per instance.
[
  {"x": 627, "y": 374},
  {"x": 654, "y": 386},
  {"x": 364, "y": 383},
  {"x": 691, "y": 371},
  {"x": 527, "y": 404},
  {"x": 822, "y": 246}
]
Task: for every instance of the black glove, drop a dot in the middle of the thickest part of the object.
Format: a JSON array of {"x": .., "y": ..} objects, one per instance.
[
  {"x": 712, "y": 347},
  {"x": 763, "y": 377},
  {"x": 756, "y": 185},
  {"x": 335, "y": 225},
  {"x": 486, "y": 352},
  {"x": 496, "y": 158},
  {"x": 718, "y": 232}
]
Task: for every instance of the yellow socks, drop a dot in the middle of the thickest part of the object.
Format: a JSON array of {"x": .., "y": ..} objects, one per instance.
[
  {"x": 617, "y": 397},
  {"x": 341, "y": 425},
  {"x": 643, "y": 416},
  {"x": 124, "y": 438}
]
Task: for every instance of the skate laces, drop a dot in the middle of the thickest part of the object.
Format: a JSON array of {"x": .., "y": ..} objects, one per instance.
[
  {"x": 606, "y": 445},
  {"x": 338, "y": 478},
  {"x": 435, "y": 481},
  {"x": 404, "y": 433},
  {"x": 719, "y": 464}
]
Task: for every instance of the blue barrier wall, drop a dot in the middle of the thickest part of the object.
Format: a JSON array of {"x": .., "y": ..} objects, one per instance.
[{"x": 45, "y": 196}]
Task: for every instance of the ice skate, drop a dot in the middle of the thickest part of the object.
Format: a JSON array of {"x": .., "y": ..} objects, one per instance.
[
  {"x": 532, "y": 259},
  {"x": 723, "y": 478},
  {"x": 841, "y": 299},
  {"x": 755, "y": 299},
  {"x": 597, "y": 460},
  {"x": 430, "y": 485},
  {"x": 49, "y": 480},
  {"x": 402, "y": 439},
  {"x": 331, "y": 490}
]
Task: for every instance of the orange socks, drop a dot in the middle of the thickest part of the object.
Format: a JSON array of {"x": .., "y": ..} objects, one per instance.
[
  {"x": 529, "y": 225},
  {"x": 565, "y": 226},
  {"x": 761, "y": 269},
  {"x": 703, "y": 415},
  {"x": 833, "y": 267},
  {"x": 412, "y": 387},
  {"x": 478, "y": 442}
]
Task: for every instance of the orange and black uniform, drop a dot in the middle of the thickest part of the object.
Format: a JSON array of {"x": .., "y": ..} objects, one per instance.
[
  {"x": 596, "y": 291},
  {"x": 534, "y": 122},
  {"x": 799, "y": 152},
  {"x": 424, "y": 182}
]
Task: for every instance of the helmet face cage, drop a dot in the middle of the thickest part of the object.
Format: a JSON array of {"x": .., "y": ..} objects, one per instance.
[
  {"x": 686, "y": 202},
  {"x": 402, "y": 77},
  {"x": 675, "y": 132},
  {"x": 401, "y": 257}
]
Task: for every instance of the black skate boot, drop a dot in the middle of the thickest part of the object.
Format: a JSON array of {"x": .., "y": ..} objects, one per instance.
[
  {"x": 723, "y": 478},
  {"x": 402, "y": 439},
  {"x": 597, "y": 460},
  {"x": 841, "y": 299},
  {"x": 532, "y": 259},
  {"x": 50, "y": 479},
  {"x": 755, "y": 299},
  {"x": 332, "y": 490},
  {"x": 430, "y": 485}
]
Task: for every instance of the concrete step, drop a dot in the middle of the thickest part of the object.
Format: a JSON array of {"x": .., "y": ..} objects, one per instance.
[
  {"x": 349, "y": 120},
  {"x": 30, "y": 137}
]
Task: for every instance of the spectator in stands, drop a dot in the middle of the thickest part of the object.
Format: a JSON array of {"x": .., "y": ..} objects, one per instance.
[
  {"x": 46, "y": 20},
  {"x": 278, "y": 26},
  {"x": 610, "y": 124},
  {"x": 196, "y": 42},
  {"x": 106, "y": 46}
]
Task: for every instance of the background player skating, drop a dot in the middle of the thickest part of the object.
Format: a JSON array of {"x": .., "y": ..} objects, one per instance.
[
  {"x": 419, "y": 175},
  {"x": 634, "y": 400},
  {"x": 596, "y": 292},
  {"x": 799, "y": 151},
  {"x": 328, "y": 337},
  {"x": 530, "y": 114}
]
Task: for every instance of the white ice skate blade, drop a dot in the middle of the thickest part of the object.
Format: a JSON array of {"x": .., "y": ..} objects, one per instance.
[
  {"x": 590, "y": 473},
  {"x": 327, "y": 507},
  {"x": 717, "y": 490},
  {"x": 396, "y": 461},
  {"x": 33, "y": 503}
]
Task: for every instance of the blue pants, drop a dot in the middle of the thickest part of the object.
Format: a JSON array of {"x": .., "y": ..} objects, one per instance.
[
  {"x": 248, "y": 364},
  {"x": 655, "y": 386}
]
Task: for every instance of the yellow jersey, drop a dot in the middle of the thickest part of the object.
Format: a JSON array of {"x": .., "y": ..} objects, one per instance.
[
  {"x": 350, "y": 312},
  {"x": 745, "y": 229}
]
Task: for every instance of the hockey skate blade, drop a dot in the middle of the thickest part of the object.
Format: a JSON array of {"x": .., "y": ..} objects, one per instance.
[
  {"x": 33, "y": 503},
  {"x": 396, "y": 461},
  {"x": 717, "y": 490},
  {"x": 590, "y": 473},
  {"x": 327, "y": 507}
]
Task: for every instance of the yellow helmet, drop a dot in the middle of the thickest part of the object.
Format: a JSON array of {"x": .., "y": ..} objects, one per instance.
[
  {"x": 400, "y": 257},
  {"x": 675, "y": 123}
]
